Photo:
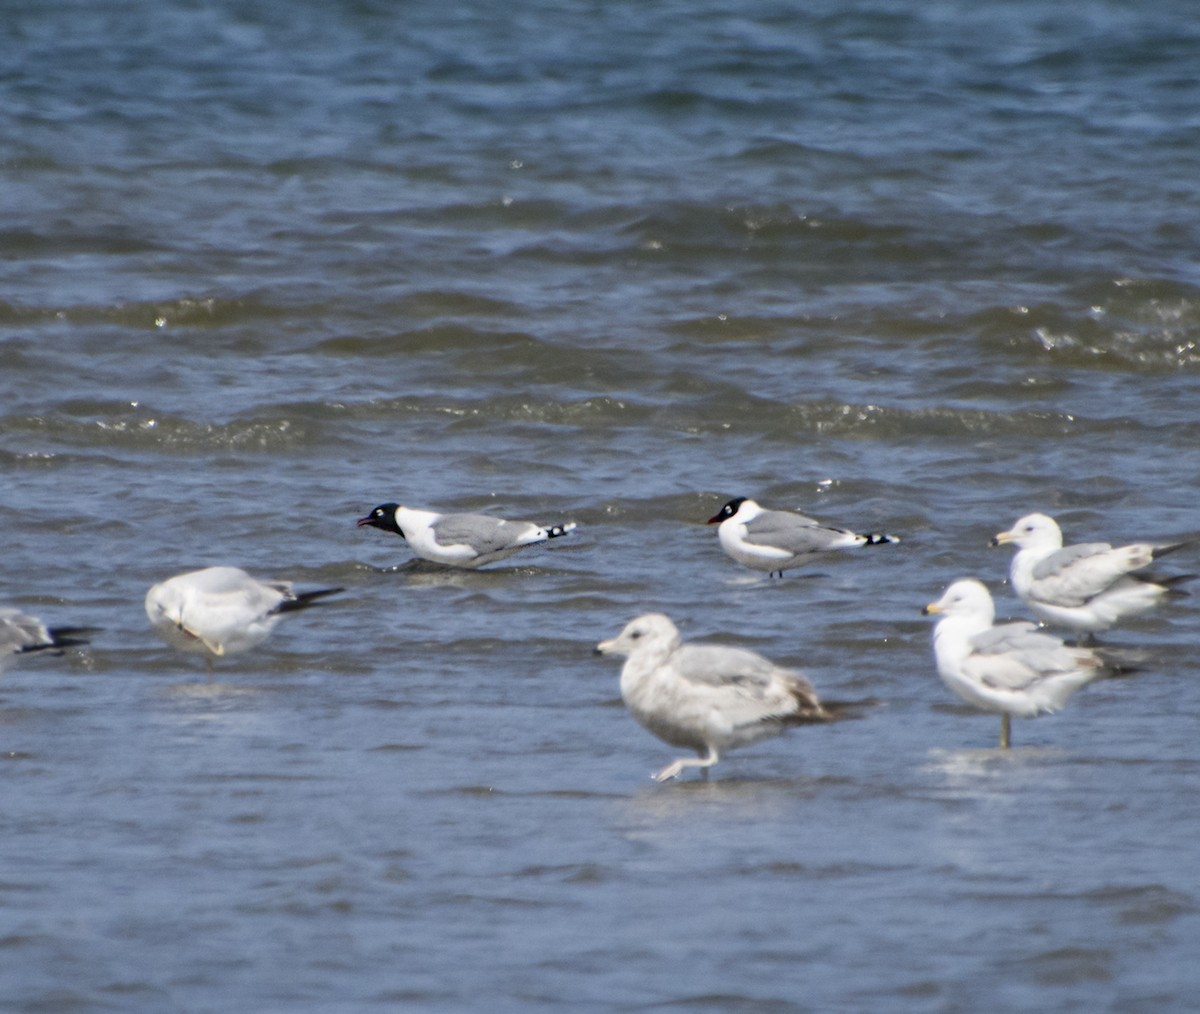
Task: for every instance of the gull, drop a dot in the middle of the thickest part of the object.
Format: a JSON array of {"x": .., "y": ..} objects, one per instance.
[
  {"x": 708, "y": 697},
  {"x": 220, "y": 611},
  {"x": 1086, "y": 587},
  {"x": 777, "y": 540},
  {"x": 460, "y": 540},
  {"x": 21, "y": 633},
  {"x": 1012, "y": 669}
]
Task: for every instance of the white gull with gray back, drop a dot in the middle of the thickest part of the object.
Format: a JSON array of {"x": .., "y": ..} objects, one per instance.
[
  {"x": 1011, "y": 669},
  {"x": 1086, "y": 587}
]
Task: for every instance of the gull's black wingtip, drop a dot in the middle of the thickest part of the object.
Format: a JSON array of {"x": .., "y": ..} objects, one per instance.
[{"x": 305, "y": 599}]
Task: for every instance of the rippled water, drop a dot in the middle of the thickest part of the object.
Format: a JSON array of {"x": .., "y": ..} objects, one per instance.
[{"x": 910, "y": 267}]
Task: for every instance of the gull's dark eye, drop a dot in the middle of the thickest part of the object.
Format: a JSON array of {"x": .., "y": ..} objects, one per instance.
[{"x": 635, "y": 634}]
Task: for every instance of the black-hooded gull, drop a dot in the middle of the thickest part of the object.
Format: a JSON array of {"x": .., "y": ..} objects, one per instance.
[
  {"x": 775, "y": 541},
  {"x": 460, "y": 540}
]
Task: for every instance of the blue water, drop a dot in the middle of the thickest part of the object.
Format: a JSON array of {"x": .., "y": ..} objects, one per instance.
[{"x": 909, "y": 267}]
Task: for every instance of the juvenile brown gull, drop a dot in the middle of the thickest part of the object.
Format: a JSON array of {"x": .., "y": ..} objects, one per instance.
[{"x": 707, "y": 697}]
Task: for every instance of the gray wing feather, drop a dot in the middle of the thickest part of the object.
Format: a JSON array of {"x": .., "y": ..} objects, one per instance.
[
  {"x": 792, "y": 532},
  {"x": 1015, "y": 655},
  {"x": 481, "y": 532},
  {"x": 1059, "y": 561},
  {"x": 717, "y": 665},
  {"x": 752, "y": 688},
  {"x": 1074, "y": 575}
]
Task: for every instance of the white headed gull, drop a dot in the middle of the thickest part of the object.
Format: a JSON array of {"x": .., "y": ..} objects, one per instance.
[
  {"x": 707, "y": 697},
  {"x": 777, "y": 540},
  {"x": 1013, "y": 669},
  {"x": 1088, "y": 587},
  {"x": 222, "y": 610},
  {"x": 460, "y": 540},
  {"x": 21, "y": 633}
]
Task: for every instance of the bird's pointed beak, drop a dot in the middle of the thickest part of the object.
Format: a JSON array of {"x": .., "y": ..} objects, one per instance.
[
  {"x": 1001, "y": 539},
  {"x": 930, "y": 610},
  {"x": 368, "y": 520},
  {"x": 715, "y": 519}
]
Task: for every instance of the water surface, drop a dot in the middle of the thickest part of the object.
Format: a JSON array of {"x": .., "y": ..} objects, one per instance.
[{"x": 918, "y": 268}]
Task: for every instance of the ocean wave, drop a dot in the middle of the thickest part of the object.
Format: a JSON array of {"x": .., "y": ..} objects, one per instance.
[
  {"x": 133, "y": 427},
  {"x": 1137, "y": 325},
  {"x": 184, "y": 311}
]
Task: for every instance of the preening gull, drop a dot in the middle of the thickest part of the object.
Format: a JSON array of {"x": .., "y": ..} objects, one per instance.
[
  {"x": 1087, "y": 587},
  {"x": 1012, "y": 669},
  {"x": 460, "y": 540},
  {"x": 21, "y": 634},
  {"x": 774, "y": 541},
  {"x": 707, "y": 697},
  {"x": 220, "y": 611}
]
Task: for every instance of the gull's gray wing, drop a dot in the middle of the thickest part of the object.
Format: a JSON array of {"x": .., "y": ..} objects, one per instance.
[
  {"x": 231, "y": 590},
  {"x": 793, "y": 533},
  {"x": 1075, "y": 574},
  {"x": 747, "y": 687},
  {"x": 483, "y": 533},
  {"x": 1015, "y": 655}
]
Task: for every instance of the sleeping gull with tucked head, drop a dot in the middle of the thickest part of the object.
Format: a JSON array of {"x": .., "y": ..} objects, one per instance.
[
  {"x": 1086, "y": 587},
  {"x": 21, "y": 634},
  {"x": 775, "y": 541},
  {"x": 460, "y": 540},
  {"x": 1011, "y": 669},
  {"x": 706, "y": 697},
  {"x": 220, "y": 611}
]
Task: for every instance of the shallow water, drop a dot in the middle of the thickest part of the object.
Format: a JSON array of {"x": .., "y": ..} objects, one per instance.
[{"x": 916, "y": 268}]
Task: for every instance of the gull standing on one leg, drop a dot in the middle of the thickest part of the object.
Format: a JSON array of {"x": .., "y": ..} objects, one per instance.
[
  {"x": 1011, "y": 669},
  {"x": 706, "y": 697}
]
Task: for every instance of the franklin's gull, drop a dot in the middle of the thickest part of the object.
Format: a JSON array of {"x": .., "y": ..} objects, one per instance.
[
  {"x": 775, "y": 541},
  {"x": 460, "y": 540}
]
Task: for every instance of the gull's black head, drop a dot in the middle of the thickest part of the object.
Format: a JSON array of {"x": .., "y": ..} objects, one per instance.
[
  {"x": 383, "y": 516},
  {"x": 728, "y": 511}
]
